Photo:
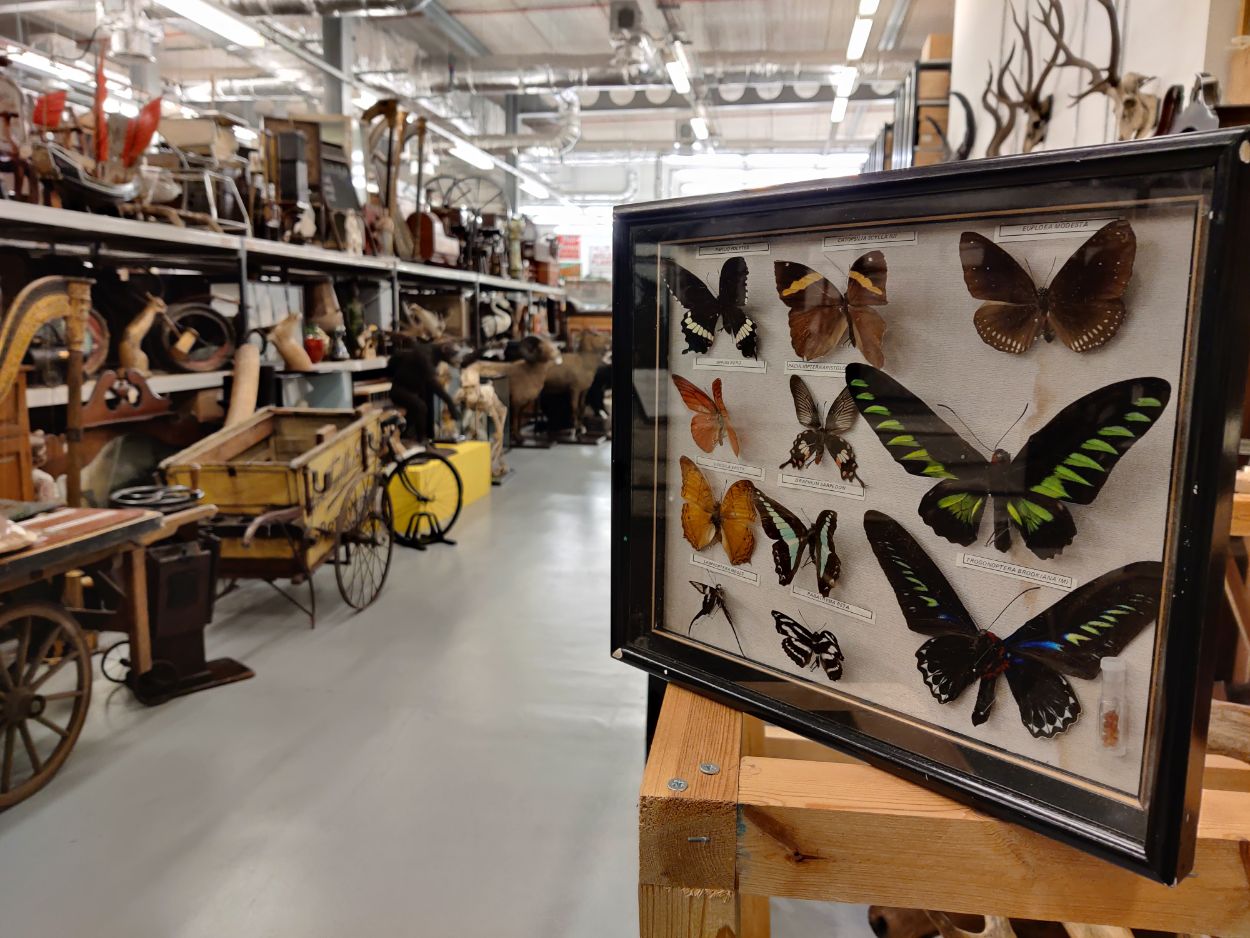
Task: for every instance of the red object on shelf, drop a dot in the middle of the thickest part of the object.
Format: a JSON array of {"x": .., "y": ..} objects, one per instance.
[
  {"x": 49, "y": 108},
  {"x": 315, "y": 347},
  {"x": 139, "y": 132},
  {"x": 101, "y": 119}
]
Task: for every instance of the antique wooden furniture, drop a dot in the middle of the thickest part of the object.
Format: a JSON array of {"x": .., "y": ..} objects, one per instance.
[
  {"x": 16, "y": 480},
  {"x": 295, "y": 488},
  {"x": 45, "y": 661},
  {"x": 732, "y": 812}
]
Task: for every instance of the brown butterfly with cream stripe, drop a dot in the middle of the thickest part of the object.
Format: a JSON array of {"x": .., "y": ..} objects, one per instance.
[{"x": 821, "y": 316}]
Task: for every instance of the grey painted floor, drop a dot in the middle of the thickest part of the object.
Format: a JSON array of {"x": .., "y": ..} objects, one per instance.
[{"x": 461, "y": 759}]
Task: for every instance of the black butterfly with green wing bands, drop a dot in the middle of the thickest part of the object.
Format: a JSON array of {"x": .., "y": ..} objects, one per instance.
[{"x": 1068, "y": 460}]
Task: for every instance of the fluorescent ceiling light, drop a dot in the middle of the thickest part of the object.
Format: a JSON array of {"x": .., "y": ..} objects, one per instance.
[
  {"x": 365, "y": 99},
  {"x": 838, "y": 111},
  {"x": 474, "y": 156},
  {"x": 859, "y": 39},
  {"x": 535, "y": 188},
  {"x": 42, "y": 63},
  {"x": 216, "y": 20},
  {"x": 845, "y": 82},
  {"x": 699, "y": 126},
  {"x": 868, "y": 7},
  {"x": 677, "y": 75}
]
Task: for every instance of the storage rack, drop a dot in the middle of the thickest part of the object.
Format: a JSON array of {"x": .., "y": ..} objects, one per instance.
[
  {"x": 916, "y": 93},
  {"x": 104, "y": 239}
]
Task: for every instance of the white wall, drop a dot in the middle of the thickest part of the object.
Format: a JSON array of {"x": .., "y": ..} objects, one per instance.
[{"x": 1171, "y": 39}]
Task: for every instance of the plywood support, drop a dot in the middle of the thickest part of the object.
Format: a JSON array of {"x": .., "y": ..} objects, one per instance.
[{"x": 787, "y": 817}]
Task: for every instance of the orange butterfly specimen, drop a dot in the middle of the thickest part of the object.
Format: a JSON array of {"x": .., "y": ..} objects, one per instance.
[
  {"x": 704, "y": 520},
  {"x": 710, "y": 424}
]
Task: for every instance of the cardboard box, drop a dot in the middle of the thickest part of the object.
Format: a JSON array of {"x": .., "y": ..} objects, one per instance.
[
  {"x": 936, "y": 48},
  {"x": 926, "y": 134},
  {"x": 926, "y": 156},
  {"x": 934, "y": 84}
]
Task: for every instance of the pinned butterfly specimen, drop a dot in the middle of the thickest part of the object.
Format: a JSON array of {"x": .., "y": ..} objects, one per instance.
[
  {"x": 794, "y": 543},
  {"x": 1094, "y": 621},
  {"x": 1083, "y": 305},
  {"x": 713, "y": 599},
  {"x": 705, "y": 312},
  {"x": 1068, "y": 460},
  {"x": 809, "y": 649},
  {"x": 818, "y": 436},
  {"x": 710, "y": 424},
  {"x": 705, "y": 520},
  {"x": 821, "y": 316}
]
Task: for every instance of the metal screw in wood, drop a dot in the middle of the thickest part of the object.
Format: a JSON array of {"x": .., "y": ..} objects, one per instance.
[
  {"x": 678, "y": 784},
  {"x": 709, "y": 768}
]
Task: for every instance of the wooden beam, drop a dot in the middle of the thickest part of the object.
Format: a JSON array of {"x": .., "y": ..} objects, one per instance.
[
  {"x": 1240, "y": 526},
  {"x": 851, "y": 833},
  {"x": 135, "y": 609}
]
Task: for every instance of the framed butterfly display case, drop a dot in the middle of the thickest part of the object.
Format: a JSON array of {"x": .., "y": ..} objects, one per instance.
[{"x": 936, "y": 467}]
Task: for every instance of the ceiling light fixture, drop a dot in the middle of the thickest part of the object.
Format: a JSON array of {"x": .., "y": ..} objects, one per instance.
[
  {"x": 845, "y": 82},
  {"x": 216, "y": 20},
  {"x": 838, "y": 111},
  {"x": 859, "y": 39},
  {"x": 474, "y": 156},
  {"x": 868, "y": 7},
  {"x": 41, "y": 63},
  {"x": 700, "y": 128},
  {"x": 677, "y": 75}
]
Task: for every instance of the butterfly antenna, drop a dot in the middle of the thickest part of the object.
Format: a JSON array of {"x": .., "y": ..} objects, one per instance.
[
  {"x": 1008, "y": 606},
  {"x": 964, "y": 425},
  {"x": 1053, "y": 262},
  {"x": 1012, "y": 427}
]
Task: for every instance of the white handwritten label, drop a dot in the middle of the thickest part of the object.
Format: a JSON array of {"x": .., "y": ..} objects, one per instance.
[
  {"x": 730, "y": 468},
  {"x": 738, "y": 247},
  {"x": 833, "y": 369},
  {"x": 759, "y": 366},
  {"x": 1013, "y": 571},
  {"x": 715, "y": 566},
  {"x": 868, "y": 239},
  {"x": 1048, "y": 230},
  {"x": 825, "y": 486},
  {"x": 837, "y": 605}
]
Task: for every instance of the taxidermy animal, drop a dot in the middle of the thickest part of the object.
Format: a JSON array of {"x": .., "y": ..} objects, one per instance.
[
  {"x": 576, "y": 372},
  {"x": 414, "y": 383},
  {"x": 526, "y": 376},
  {"x": 130, "y": 352},
  {"x": 482, "y": 399},
  {"x": 423, "y": 323}
]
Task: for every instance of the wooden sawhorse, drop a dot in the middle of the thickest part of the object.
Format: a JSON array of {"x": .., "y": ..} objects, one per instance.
[{"x": 733, "y": 812}]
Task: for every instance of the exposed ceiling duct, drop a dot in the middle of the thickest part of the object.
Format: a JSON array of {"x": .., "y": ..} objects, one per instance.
[
  {"x": 327, "y": 7},
  {"x": 551, "y": 145}
]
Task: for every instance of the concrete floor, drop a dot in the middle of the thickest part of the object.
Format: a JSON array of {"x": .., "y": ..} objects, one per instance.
[{"x": 461, "y": 759}]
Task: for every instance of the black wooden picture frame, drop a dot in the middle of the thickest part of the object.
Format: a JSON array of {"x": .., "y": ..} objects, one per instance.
[{"x": 1153, "y": 835}]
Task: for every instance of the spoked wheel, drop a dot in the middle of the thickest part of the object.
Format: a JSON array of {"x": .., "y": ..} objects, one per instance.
[
  {"x": 429, "y": 494},
  {"x": 363, "y": 542},
  {"x": 43, "y": 699}
]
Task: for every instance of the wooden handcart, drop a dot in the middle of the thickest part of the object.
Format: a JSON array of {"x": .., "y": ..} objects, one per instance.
[{"x": 296, "y": 488}]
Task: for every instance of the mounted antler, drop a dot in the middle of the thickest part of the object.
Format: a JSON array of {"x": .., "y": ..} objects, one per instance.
[
  {"x": 1030, "y": 99},
  {"x": 1101, "y": 80},
  {"x": 994, "y": 96}
]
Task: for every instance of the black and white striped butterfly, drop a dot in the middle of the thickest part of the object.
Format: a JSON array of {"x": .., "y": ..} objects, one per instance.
[
  {"x": 809, "y": 649},
  {"x": 706, "y": 312}
]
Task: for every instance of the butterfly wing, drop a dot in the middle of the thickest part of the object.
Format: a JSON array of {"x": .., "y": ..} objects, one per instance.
[
  {"x": 1086, "y": 296},
  {"x": 788, "y": 534},
  {"x": 824, "y": 557},
  {"x": 866, "y": 281},
  {"x": 838, "y": 419},
  {"x": 829, "y": 654},
  {"x": 722, "y": 415},
  {"x": 808, "y": 446},
  {"x": 1011, "y": 319},
  {"x": 1047, "y": 703},
  {"x": 805, "y": 408},
  {"x": 1070, "y": 458},
  {"x": 867, "y": 330},
  {"x": 796, "y": 641},
  {"x": 738, "y": 516},
  {"x": 1093, "y": 622},
  {"x": 928, "y": 602},
  {"x": 948, "y": 665},
  {"x": 705, "y": 425},
  {"x": 953, "y": 508},
  {"x": 817, "y": 309},
  {"x": 699, "y": 507},
  {"x": 709, "y": 602},
  {"x": 732, "y": 300},
  {"x": 702, "y": 312}
]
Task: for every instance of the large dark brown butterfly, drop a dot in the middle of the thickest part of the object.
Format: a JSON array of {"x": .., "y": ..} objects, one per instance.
[
  {"x": 1094, "y": 621},
  {"x": 821, "y": 316},
  {"x": 794, "y": 543},
  {"x": 710, "y": 424},
  {"x": 1068, "y": 460},
  {"x": 809, "y": 649},
  {"x": 818, "y": 436},
  {"x": 705, "y": 519},
  {"x": 1083, "y": 305},
  {"x": 705, "y": 312}
]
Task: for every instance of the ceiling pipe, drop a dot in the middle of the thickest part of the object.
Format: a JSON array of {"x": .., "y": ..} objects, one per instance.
[{"x": 553, "y": 145}]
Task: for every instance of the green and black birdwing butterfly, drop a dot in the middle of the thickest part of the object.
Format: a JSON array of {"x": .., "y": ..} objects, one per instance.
[
  {"x": 819, "y": 436},
  {"x": 794, "y": 543},
  {"x": 1068, "y": 460},
  {"x": 1083, "y": 305},
  {"x": 1071, "y": 637},
  {"x": 809, "y": 649},
  {"x": 705, "y": 312}
]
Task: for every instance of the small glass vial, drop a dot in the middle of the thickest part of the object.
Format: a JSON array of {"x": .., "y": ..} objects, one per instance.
[{"x": 1112, "y": 708}]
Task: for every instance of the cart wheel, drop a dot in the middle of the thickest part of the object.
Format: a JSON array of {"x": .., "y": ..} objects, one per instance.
[
  {"x": 43, "y": 700},
  {"x": 431, "y": 494},
  {"x": 115, "y": 662},
  {"x": 363, "y": 543}
]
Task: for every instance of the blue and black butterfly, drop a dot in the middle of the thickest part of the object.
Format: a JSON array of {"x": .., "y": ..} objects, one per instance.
[
  {"x": 1068, "y": 460},
  {"x": 794, "y": 543},
  {"x": 1093, "y": 622}
]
